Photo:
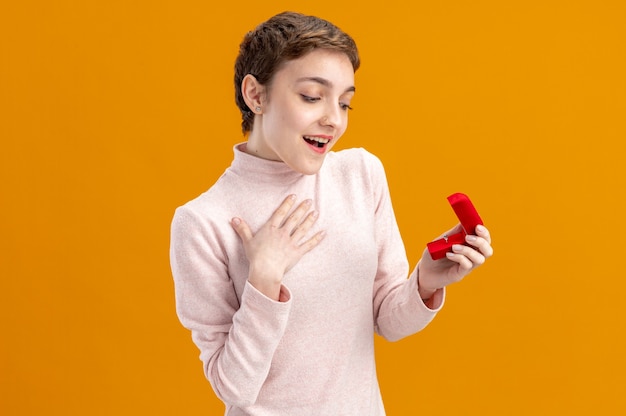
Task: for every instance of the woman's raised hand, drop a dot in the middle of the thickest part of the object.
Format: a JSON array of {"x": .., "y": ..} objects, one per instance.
[{"x": 278, "y": 245}]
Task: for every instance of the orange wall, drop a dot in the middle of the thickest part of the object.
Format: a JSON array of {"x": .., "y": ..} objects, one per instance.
[{"x": 114, "y": 113}]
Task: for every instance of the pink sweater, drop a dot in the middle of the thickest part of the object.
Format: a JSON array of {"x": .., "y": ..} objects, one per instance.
[{"x": 312, "y": 354}]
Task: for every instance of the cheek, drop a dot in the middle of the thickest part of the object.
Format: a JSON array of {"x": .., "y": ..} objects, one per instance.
[
  {"x": 344, "y": 126},
  {"x": 291, "y": 114},
  {"x": 300, "y": 117}
]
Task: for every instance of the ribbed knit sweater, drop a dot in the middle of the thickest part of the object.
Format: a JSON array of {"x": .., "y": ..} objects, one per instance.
[{"x": 312, "y": 354}]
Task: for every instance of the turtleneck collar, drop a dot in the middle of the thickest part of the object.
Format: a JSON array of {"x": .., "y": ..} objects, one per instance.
[{"x": 262, "y": 170}]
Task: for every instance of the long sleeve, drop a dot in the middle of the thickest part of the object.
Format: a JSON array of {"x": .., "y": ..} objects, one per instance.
[
  {"x": 237, "y": 338},
  {"x": 399, "y": 311}
]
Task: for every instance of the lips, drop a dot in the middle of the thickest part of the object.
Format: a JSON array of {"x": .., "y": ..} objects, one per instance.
[{"x": 317, "y": 141}]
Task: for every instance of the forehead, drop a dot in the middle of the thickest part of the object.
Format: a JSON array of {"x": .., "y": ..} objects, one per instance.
[{"x": 331, "y": 66}]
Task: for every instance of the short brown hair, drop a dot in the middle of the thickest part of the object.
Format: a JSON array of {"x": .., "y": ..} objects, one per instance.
[{"x": 284, "y": 37}]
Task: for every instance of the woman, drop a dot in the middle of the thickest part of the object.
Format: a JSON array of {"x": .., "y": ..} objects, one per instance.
[{"x": 287, "y": 266}]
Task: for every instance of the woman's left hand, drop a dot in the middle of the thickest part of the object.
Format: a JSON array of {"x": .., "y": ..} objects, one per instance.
[{"x": 436, "y": 274}]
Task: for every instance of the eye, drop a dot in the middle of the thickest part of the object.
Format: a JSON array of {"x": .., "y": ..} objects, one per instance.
[
  {"x": 309, "y": 99},
  {"x": 345, "y": 107}
]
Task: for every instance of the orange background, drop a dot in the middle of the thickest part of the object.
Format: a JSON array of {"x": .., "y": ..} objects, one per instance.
[{"x": 114, "y": 113}]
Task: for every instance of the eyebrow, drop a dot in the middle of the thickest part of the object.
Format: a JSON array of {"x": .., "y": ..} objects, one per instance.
[{"x": 324, "y": 82}]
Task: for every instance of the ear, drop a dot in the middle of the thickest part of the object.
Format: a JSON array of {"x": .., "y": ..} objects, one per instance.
[{"x": 252, "y": 92}]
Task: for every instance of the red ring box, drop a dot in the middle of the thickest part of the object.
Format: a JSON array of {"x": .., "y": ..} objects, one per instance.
[{"x": 469, "y": 218}]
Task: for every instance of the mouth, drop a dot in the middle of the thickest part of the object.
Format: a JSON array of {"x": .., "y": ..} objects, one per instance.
[{"x": 318, "y": 142}]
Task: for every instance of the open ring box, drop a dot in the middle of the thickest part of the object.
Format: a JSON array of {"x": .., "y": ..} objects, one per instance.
[{"x": 469, "y": 218}]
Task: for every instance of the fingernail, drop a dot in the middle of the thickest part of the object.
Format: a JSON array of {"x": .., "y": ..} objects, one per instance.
[
  {"x": 236, "y": 221},
  {"x": 449, "y": 254},
  {"x": 457, "y": 247},
  {"x": 470, "y": 238},
  {"x": 315, "y": 214},
  {"x": 308, "y": 202},
  {"x": 480, "y": 228}
]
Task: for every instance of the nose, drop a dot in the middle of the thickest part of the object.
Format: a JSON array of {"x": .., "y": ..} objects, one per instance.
[{"x": 333, "y": 115}]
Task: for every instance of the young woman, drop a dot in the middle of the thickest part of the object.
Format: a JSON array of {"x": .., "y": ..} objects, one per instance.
[{"x": 286, "y": 267}]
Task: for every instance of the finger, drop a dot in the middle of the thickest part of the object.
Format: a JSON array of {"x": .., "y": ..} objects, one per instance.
[
  {"x": 312, "y": 242},
  {"x": 305, "y": 226},
  {"x": 476, "y": 258},
  {"x": 295, "y": 218},
  {"x": 242, "y": 229},
  {"x": 481, "y": 244},
  {"x": 281, "y": 212},
  {"x": 465, "y": 265},
  {"x": 483, "y": 232}
]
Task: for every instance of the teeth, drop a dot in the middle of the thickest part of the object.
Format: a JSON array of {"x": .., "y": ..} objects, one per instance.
[{"x": 317, "y": 139}]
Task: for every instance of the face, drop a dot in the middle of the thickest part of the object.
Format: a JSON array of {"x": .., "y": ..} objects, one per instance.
[{"x": 304, "y": 110}]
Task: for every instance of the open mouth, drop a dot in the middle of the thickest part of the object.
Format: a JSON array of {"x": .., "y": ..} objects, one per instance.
[{"x": 318, "y": 142}]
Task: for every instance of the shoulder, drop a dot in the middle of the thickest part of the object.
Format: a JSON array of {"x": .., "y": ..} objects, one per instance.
[
  {"x": 356, "y": 163},
  {"x": 357, "y": 172},
  {"x": 205, "y": 210},
  {"x": 355, "y": 159}
]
